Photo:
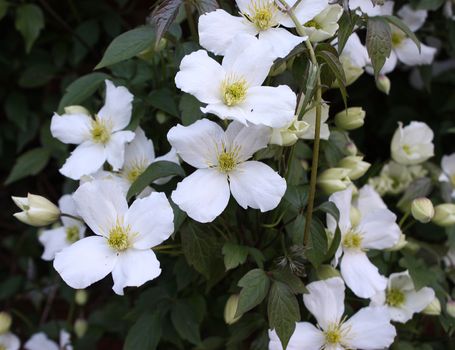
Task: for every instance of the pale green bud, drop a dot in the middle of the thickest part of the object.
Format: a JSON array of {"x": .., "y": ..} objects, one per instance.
[
  {"x": 444, "y": 214},
  {"x": 161, "y": 117},
  {"x": 289, "y": 135},
  {"x": 5, "y": 322},
  {"x": 450, "y": 308},
  {"x": 326, "y": 271},
  {"x": 334, "y": 179},
  {"x": 230, "y": 309},
  {"x": 351, "y": 148},
  {"x": 351, "y": 118},
  {"x": 80, "y": 327},
  {"x": 422, "y": 210},
  {"x": 81, "y": 297},
  {"x": 76, "y": 110},
  {"x": 433, "y": 308},
  {"x": 357, "y": 167},
  {"x": 383, "y": 84},
  {"x": 36, "y": 210}
]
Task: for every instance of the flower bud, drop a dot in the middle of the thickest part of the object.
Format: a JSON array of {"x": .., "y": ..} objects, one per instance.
[
  {"x": 351, "y": 118},
  {"x": 230, "y": 310},
  {"x": 356, "y": 165},
  {"x": 334, "y": 180},
  {"x": 289, "y": 135},
  {"x": 36, "y": 210},
  {"x": 422, "y": 210},
  {"x": 326, "y": 271},
  {"x": 5, "y": 322},
  {"x": 80, "y": 327},
  {"x": 278, "y": 70},
  {"x": 351, "y": 148},
  {"x": 76, "y": 110},
  {"x": 450, "y": 308},
  {"x": 444, "y": 214},
  {"x": 161, "y": 117},
  {"x": 433, "y": 308},
  {"x": 81, "y": 297},
  {"x": 383, "y": 84}
]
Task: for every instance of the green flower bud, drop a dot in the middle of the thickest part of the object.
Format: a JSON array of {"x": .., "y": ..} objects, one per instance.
[
  {"x": 230, "y": 309},
  {"x": 433, "y": 308},
  {"x": 351, "y": 118},
  {"x": 81, "y": 297},
  {"x": 334, "y": 180},
  {"x": 5, "y": 322},
  {"x": 80, "y": 327},
  {"x": 383, "y": 84},
  {"x": 422, "y": 210},
  {"x": 357, "y": 167},
  {"x": 444, "y": 214}
]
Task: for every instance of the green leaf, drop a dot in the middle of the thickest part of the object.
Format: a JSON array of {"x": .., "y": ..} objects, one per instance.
[
  {"x": 333, "y": 245},
  {"x": 190, "y": 109},
  {"x": 317, "y": 250},
  {"x": 29, "y": 22},
  {"x": 154, "y": 171},
  {"x": 297, "y": 196},
  {"x": 378, "y": 42},
  {"x": 145, "y": 334},
  {"x": 234, "y": 255},
  {"x": 186, "y": 320},
  {"x": 283, "y": 311},
  {"x": 420, "y": 273},
  {"x": 163, "y": 15},
  {"x": 3, "y": 8},
  {"x": 431, "y": 5},
  {"x": 80, "y": 89},
  {"x": 329, "y": 208},
  {"x": 204, "y": 6},
  {"x": 16, "y": 109},
  {"x": 29, "y": 163},
  {"x": 346, "y": 24},
  {"x": 292, "y": 281},
  {"x": 418, "y": 188},
  {"x": 163, "y": 99},
  {"x": 127, "y": 45},
  {"x": 36, "y": 75},
  {"x": 397, "y": 22},
  {"x": 255, "y": 286}
]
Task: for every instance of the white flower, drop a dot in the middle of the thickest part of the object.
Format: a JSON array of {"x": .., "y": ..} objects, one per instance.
[
  {"x": 233, "y": 89},
  {"x": 376, "y": 229},
  {"x": 9, "y": 341},
  {"x": 353, "y": 58},
  {"x": 40, "y": 341},
  {"x": 54, "y": 240},
  {"x": 325, "y": 24},
  {"x": 221, "y": 158},
  {"x": 412, "y": 144},
  {"x": 36, "y": 210},
  {"x": 289, "y": 135},
  {"x": 367, "y": 7},
  {"x": 449, "y": 258},
  {"x": 401, "y": 298},
  {"x": 368, "y": 329},
  {"x": 448, "y": 171},
  {"x": 99, "y": 139},
  {"x": 123, "y": 241},
  {"x": 218, "y": 29},
  {"x": 310, "y": 118}
]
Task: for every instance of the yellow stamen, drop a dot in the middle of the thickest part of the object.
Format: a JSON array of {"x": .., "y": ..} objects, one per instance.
[
  {"x": 333, "y": 334},
  {"x": 72, "y": 234},
  {"x": 395, "y": 297},
  {"x": 262, "y": 14},
  {"x": 352, "y": 240},
  {"x": 101, "y": 132},
  {"x": 119, "y": 237},
  {"x": 313, "y": 24},
  {"x": 233, "y": 90},
  {"x": 397, "y": 37},
  {"x": 134, "y": 172}
]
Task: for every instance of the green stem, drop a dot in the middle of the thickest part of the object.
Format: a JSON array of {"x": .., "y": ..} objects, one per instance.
[
  {"x": 403, "y": 219},
  {"x": 72, "y": 217},
  {"x": 191, "y": 23}
]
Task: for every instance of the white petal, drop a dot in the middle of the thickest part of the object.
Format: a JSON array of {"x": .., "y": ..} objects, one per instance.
[
  {"x": 140, "y": 151},
  {"x": 71, "y": 128},
  {"x": 310, "y": 118},
  {"x": 53, "y": 240},
  {"x": 342, "y": 200},
  {"x": 305, "y": 11},
  {"x": 389, "y": 65},
  {"x": 117, "y": 107},
  {"x": 100, "y": 203},
  {"x": 416, "y": 301},
  {"x": 11, "y": 341},
  {"x": 68, "y": 206},
  {"x": 249, "y": 139},
  {"x": 85, "y": 262},
  {"x": 413, "y": 18},
  {"x": 281, "y": 40},
  {"x": 360, "y": 275},
  {"x": 152, "y": 219},
  {"x": 325, "y": 301},
  {"x": 218, "y": 28},
  {"x": 379, "y": 229},
  {"x": 198, "y": 143},
  {"x": 256, "y": 185},
  {"x": 238, "y": 112},
  {"x": 369, "y": 200},
  {"x": 86, "y": 159},
  {"x": 448, "y": 164},
  {"x": 200, "y": 76},
  {"x": 370, "y": 329},
  {"x": 355, "y": 51},
  {"x": 40, "y": 341},
  {"x": 203, "y": 195},
  {"x": 115, "y": 148},
  {"x": 270, "y": 106},
  {"x": 133, "y": 268},
  {"x": 409, "y": 54},
  {"x": 305, "y": 336},
  {"x": 65, "y": 340}
]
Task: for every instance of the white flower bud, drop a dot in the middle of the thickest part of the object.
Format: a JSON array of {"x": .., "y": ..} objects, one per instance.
[
  {"x": 383, "y": 84},
  {"x": 327, "y": 271},
  {"x": 230, "y": 309},
  {"x": 450, "y": 308},
  {"x": 433, "y": 308},
  {"x": 80, "y": 327},
  {"x": 444, "y": 214},
  {"x": 5, "y": 322},
  {"x": 36, "y": 210},
  {"x": 76, "y": 110},
  {"x": 357, "y": 167},
  {"x": 334, "y": 180},
  {"x": 422, "y": 210},
  {"x": 351, "y": 148},
  {"x": 351, "y": 118},
  {"x": 81, "y": 297},
  {"x": 289, "y": 135}
]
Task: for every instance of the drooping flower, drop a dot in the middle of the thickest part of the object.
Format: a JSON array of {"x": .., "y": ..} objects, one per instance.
[
  {"x": 353, "y": 58},
  {"x": 324, "y": 25},
  {"x": 375, "y": 229},
  {"x": 123, "y": 237},
  {"x": 218, "y": 29},
  {"x": 36, "y": 210},
  {"x": 55, "y": 239},
  {"x": 448, "y": 171},
  {"x": 368, "y": 329},
  {"x": 233, "y": 89},
  {"x": 412, "y": 144},
  {"x": 9, "y": 341},
  {"x": 40, "y": 341},
  {"x": 99, "y": 139},
  {"x": 401, "y": 297},
  {"x": 223, "y": 167}
]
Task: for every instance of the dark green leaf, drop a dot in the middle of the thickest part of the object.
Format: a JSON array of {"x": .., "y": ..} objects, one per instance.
[
  {"x": 378, "y": 42},
  {"x": 29, "y": 163},
  {"x": 292, "y": 281},
  {"x": 346, "y": 24},
  {"x": 204, "y": 6},
  {"x": 16, "y": 109},
  {"x": 36, "y": 75},
  {"x": 234, "y": 255},
  {"x": 397, "y": 22},
  {"x": 330, "y": 56},
  {"x": 255, "y": 286},
  {"x": 333, "y": 245},
  {"x": 190, "y": 109},
  {"x": 317, "y": 250},
  {"x": 29, "y": 22},
  {"x": 297, "y": 196},
  {"x": 3, "y": 8},
  {"x": 329, "y": 208},
  {"x": 163, "y": 99},
  {"x": 163, "y": 15},
  {"x": 145, "y": 334},
  {"x": 185, "y": 320}
]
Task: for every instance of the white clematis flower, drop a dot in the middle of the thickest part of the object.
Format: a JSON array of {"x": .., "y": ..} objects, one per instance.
[
  {"x": 221, "y": 158},
  {"x": 310, "y": 118},
  {"x": 375, "y": 229},
  {"x": 218, "y": 29},
  {"x": 123, "y": 237},
  {"x": 233, "y": 89},
  {"x": 448, "y": 171},
  {"x": 367, "y": 7},
  {"x": 412, "y": 144},
  {"x": 54, "y": 240},
  {"x": 289, "y": 135},
  {"x": 353, "y": 58},
  {"x": 324, "y": 25},
  {"x": 368, "y": 329},
  {"x": 401, "y": 298},
  {"x": 99, "y": 139},
  {"x": 9, "y": 341},
  {"x": 40, "y": 341}
]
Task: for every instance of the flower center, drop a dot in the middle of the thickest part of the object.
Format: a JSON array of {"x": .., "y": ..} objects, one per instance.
[
  {"x": 333, "y": 334},
  {"x": 227, "y": 161},
  {"x": 395, "y": 297},
  {"x": 119, "y": 237},
  {"x": 101, "y": 133},
  {"x": 407, "y": 149},
  {"x": 262, "y": 14},
  {"x": 72, "y": 234},
  {"x": 134, "y": 172},
  {"x": 352, "y": 240},
  {"x": 233, "y": 90},
  {"x": 313, "y": 24},
  {"x": 397, "y": 37}
]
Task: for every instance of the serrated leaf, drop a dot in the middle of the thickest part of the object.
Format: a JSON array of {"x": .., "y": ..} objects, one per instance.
[
  {"x": 283, "y": 311},
  {"x": 234, "y": 255},
  {"x": 378, "y": 42},
  {"x": 127, "y": 45},
  {"x": 29, "y": 22},
  {"x": 204, "y": 6},
  {"x": 145, "y": 334},
  {"x": 255, "y": 286},
  {"x": 154, "y": 171},
  {"x": 397, "y": 22},
  {"x": 292, "y": 281},
  {"x": 163, "y": 15},
  {"x": 29, "y": 163}
]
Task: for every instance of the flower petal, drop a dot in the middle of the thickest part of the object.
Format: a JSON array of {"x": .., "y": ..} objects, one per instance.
[
  {"x": 305, "y": 11},
  {"x": 85, "y": 262},
  {"x": 53, "y": 240},
  {"x": 203, "y": 195},
  {"x": 379, "y": 229},
  {"x": 238, "y": 113},
  {"x": 40, "y": 341},
  {"x": 310, "y": 118},
  {"x": 448, "y": 164},
  {"x": 12, "y": 342},
  {"x": 416, "y": 301},
  {"x": 369, "y": 200},
  {"x": 409, "y": 54},
  {"x": 68, "y": 206},
  {"x": 256, "y": 185},
  {"x": 115, "y": 148},
  {"x": 305, "y": 336},
  {"x": 86, "y": 159},
  {"x": 140, "y": 151},
  {"x": 133, "y": 268},
  {"x": 249, "y": 139},
  {"x": 281, "y": 40},
  {"x": 117, "y": 107},
  {"x": 413, "y": 18},
  {"x": 71, "y": 128},
  {"x": 342, "y": 201}
]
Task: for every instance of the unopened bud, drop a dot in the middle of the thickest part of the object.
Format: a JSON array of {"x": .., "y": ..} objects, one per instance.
[
  {"x": 383, "y": 84},
  {"x": 422, "y": 210},
  {"x": 76, "y": 110},
  {"x": 161, "y": 117},
  {"x": 5, "y": 322},
  {"x": 36, "y": 210},
  {"x": 433, "y": 308},
  {"x": 400, "y": 244},
  {"x": 81, "y": 297},
  {"x": 334, "y": 179},
  {"x": 351, "y": 148},
  {"x": 351, "y": 118},
  {"x": 357, "y": 167},
  {"x": 230, "y": 309},
  {"x": 450, "y": 308},
  {"x": 80, "y": 327},
  {"x": 326, "y": 271},
  {"x": 444, "y": 214}
]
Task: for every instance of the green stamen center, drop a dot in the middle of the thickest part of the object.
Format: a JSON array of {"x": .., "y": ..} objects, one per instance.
[
  {"x": 119, "y": 237},
  {"x": 313, "y": 24},
  {"x": 333, "y": 334},
  {"x": 134, "y": 173},
  {"x": 227, "y": 161},
  {"x": 352, "y": 240},
  {"x": 397, "y": 37},
  {"x": 262, "y": 14},
  {"x": 72, "y": 234},
  {"x": 101, "y": 133},
  {"x": 234, "y": 91},
  {"x": 395, "y": 297}
]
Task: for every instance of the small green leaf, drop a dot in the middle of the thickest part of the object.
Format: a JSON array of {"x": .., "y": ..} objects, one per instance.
[
  {"x": 378, "y": 42},
  {"x": 3, "y": 8},
  {"x": 127, "y": 45},
  {"x": 255, "y": 286},
  {"x": 186, "y": 322},
  {"x": 29, "y": 22},
  {"x": 190, "y": 109},
  {"x": 346, "y": 24},
  {"x": 154, "y": 171},
  {"x": 164, "y": 14},
  {"x": 204, "y": 6},
  {"x": 329, "y": 55},
  {"x": 297, "y": 196},
  {"x": 145, "y": 334},
  {"x": 29, "y": 163},
  {"x": 234, "y": 255},
  {"x": 292, "y": 281},
  {"x": 329, "y": 208},
  {"x": 163, "y": 99},
  {"x": 36, "y": 75},
  {"x": 317, "y": 250},
  {"x": 397, "y": 22}
]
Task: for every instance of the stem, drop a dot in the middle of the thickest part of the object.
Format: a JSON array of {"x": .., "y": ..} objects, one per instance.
[
  {"x": 72, "y": 217},
  {"x": 191, "y": 24},
  {"x": 403, "y": 219}
]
